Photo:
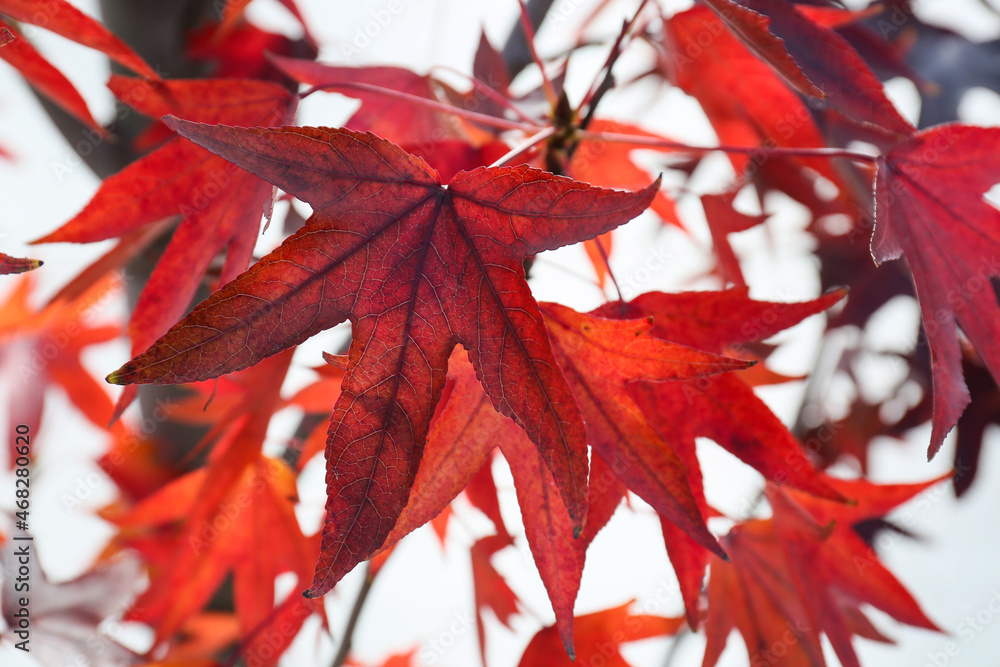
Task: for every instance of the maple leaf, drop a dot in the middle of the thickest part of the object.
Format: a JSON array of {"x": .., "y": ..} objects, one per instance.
[
  {"x": 745, "y": 101},
  {"x": 238, "y": 516},
  {"x": 10, "y": 264},
  {"x": 490, "y": 590},
  {"x": 379, "y": 113},
  {"x": 970, "y": 436},
  {"x": 813, "y": 58},
  {"x": 417, "y": 268},
  {"x": 241, "y": 50},
  {"x": 458, "y": 449},
  {"x": 807, "y": 571},
  {"x": 929, "y": 208},
  {"x": 723, "y": 219},
  {"x": 600, "y": 358},
  {"x": 44, "y": 77},
  {"x": 220, "y": 205},
  {"x": 64, "y": 19},
  {"x": 722, "y": 407},
  {"x": 602, "y": 634}
]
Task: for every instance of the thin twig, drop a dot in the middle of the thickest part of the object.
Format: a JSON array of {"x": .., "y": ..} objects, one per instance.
[
  {"x": 601, "y": 86},
  {"x": 607, "y": 265},
  {"x": 769, "y": 151},
  {"x": 525, "y": 145},
  {"x": 489, "y": 91},
  {"x": 473, "y": 116},
  {"x": 352, "y": 622}
]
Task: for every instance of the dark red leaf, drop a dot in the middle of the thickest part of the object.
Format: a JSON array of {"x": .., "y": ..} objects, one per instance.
[
  {"x": 417, "y": 268},
  {"x": 929, "y": 208}
]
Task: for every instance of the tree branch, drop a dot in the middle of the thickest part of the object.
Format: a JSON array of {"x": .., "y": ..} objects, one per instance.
[{"x": 516, "y": 52}]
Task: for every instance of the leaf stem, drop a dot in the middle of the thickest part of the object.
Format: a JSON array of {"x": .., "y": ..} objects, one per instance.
[
  {"x": 473, "y": 116},
  {"x": 489, "y": 91},
  {"x": 769, "y": 151},
  {"x": 607, "y": 265},
  {"x": 352, "y": 622},
  {"x": 544, "y": 134}
]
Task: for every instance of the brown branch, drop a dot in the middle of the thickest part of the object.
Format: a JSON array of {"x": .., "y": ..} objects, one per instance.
[{"x": 352, "y": 622}]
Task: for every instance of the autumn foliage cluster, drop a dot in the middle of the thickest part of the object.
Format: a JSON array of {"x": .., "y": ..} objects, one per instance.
[{"x": 428, "y": 209}]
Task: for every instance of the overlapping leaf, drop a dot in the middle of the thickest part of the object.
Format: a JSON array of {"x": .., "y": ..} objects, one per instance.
[
  {"x": 930, "y": 209},
  {"x": 238, "y": 517},
  {"x": 220, "y": 205},
  {"x": 417, "y": 268},
  {"x": 796, "y": 45},
  {"x": 45, "y": 78},
  {"x": 600, "y": 357},
  {"x": 723, "y": 408},
  {"x": 66, "y": 20},
  {"x": 601, "y": 637},
  {"x": 379, "y": 113},
  {"x": 746, "y": 103},
  {"x": 805, "y": 572}
]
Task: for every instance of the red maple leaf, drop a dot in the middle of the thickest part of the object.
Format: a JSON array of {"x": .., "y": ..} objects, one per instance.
[
  {"x": 602, "y": 635},
  {"x": 929, "y": 208},
  {"x": 64, "y": 19},
  {"x": 40, "y": 349},
  {"x": 417, "y": 268},
  {"x": 744, "y": 100},
  {"x": 813, "y": 58},
  {"x": 807, "y": 571},
  {"x": 41, "y": 74},
  {"x": 238, "y": 515},
  {"x": 722, "y": 407},
  {"x": 10, "y": 264},
  {"x": 220, "y": 205},
  {"x": 600, "y": 358}
]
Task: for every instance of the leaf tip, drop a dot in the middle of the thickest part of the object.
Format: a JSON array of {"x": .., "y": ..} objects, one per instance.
[
  {"x": 336, "y": 360},
  {"x": 171, "y": 121}
]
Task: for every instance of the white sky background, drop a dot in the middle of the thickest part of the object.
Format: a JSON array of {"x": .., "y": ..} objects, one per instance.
[{"x": 422, "y": 593}]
